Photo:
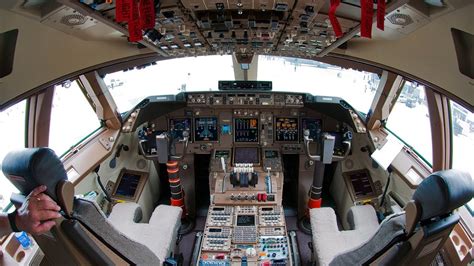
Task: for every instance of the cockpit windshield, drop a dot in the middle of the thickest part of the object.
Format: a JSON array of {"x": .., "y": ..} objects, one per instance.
[{"x": 202, "y": 73}]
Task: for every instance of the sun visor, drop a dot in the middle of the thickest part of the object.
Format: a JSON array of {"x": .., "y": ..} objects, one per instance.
[{"x": 7, "y": 51}]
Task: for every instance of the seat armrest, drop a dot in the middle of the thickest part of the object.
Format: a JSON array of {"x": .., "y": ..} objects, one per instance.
[
  {"x": 128, "y": 212},
  {"x": 362, "y": 217}
]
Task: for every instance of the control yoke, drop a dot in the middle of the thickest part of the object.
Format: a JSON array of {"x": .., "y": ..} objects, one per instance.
[
  {"x": 184, "y": 140},
  {"x": 165, "y": 148},
  {"x": 328, "y": 142}
]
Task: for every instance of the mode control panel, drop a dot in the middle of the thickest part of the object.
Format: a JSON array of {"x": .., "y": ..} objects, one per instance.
[{"x": 245, "y": 99}]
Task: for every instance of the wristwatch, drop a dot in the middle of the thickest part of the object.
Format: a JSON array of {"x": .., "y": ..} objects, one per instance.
[{"x": 11, "y": 219}]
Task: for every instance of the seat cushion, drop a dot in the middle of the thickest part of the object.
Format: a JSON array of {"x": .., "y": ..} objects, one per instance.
[
  {"x": 159, "y": 235},
  {"x": 328, "y": 241},
  {"x": 90, "y": 215}
]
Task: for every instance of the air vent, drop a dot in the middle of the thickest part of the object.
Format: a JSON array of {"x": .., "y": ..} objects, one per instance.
[
  {"x": 68, "y": 20},
  {"x": 73, "y": 20},
  {"x": 400, "y": 19},
  {"x": 406, "y": 19}
]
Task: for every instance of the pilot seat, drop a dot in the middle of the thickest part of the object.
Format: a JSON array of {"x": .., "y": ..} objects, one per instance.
[{"x": 84, "y": 235}]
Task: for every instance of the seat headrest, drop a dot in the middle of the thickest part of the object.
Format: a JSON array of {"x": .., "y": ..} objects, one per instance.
[
  {"x": 32, "y": 167},
  {"x": 443, "y": 192}
]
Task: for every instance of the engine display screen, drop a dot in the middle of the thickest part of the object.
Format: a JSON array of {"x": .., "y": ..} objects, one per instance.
[
  {"x": 205, "y": 129},
  {"x": 178, "y": 126},
  {"x": 245, "y": 220},
  {"x": 246, "y": 155},
  {"x": 246, "y": 130},
  {"x": 314, "y": 127},
  {"x": 286, "y": 129}
]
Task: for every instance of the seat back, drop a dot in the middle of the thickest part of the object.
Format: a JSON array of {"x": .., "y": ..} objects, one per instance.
[
  {"x": 430, "y": 217},
  {"x": 82, "y": 235},
  {"x": 415, "y": 236}
]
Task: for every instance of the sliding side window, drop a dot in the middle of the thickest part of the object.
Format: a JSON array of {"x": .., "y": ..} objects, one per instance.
[
  {"x": 72, "y": 118},
  {"x": 409, "y": 121},
  {"x": 462, "y": 129},
  {"x": 12, "y": 137}
]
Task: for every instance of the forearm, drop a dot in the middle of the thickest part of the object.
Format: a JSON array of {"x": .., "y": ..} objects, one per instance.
[{"x": 4, "y": 225}]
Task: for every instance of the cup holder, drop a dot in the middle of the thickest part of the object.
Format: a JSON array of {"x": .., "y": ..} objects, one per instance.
[
  {"x": 20, "y": 256},
  {"x": 456, "y": 239}
]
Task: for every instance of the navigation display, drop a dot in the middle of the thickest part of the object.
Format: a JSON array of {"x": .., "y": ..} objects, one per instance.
[
  {"x": 286, "y": 129},
  {"x": 178, "y": 126},
  {"x": 245, "y": 220},
  {"x": 314, "y": 127},
  {"x": 246, "y": 130},
  {"x": 205, "y": 129},
  {"x": 246, "y": 155}
]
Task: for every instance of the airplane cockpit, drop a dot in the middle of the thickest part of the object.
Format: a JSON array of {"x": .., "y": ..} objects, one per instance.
[{"x": 238, "y": 133}]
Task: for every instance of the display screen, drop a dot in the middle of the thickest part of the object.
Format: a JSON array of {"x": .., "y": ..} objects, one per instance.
[
  {"x": 339, "y": 149},
  {"x": 205, "y": 129},
  {"x": 361, "y": 182},
  {"x": 215, "y": 230},
  {"x": 222, "y": 154},
  {"x": 271, "y": 154},
  {"x": 246, "y": 155},
  {"x": 128, "y": 185},
  {"x": 246, "y": 130},
  {"x": 245, "y": 220},
  {"x": 314, "y": 127},
  {"x": 178, "y": 126},
  {"x": 286, "y": 129}
]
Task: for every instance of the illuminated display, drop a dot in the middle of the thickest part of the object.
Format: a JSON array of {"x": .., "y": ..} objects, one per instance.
[
  {"x": 205, "y": 129},
  {"x": 245, "y": 220},
  {"x": 178, "y": 126},
  {"x": 246, "y": 130},
  {"x": 222, "y": 154},
  {"x": 246, "y": 155},
  {"x": 271, "y": 154},
  {"x": 286, "y": 129},
  {"x": 314, "y": 127}
]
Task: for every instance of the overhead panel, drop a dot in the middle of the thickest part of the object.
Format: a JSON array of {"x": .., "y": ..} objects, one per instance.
[{"x": 273, "y": 27}]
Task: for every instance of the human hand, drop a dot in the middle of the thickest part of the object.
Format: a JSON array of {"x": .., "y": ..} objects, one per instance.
[{"x": 36, "y": 214}]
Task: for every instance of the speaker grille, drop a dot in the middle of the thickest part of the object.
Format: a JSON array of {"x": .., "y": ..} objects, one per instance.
[
  {"x": 73, "y": 20},
  {"x": 400, "y": 19}
]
